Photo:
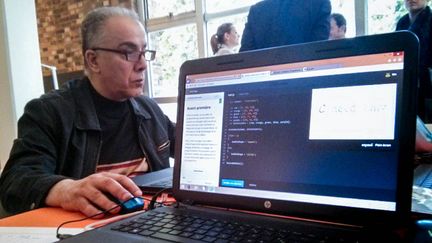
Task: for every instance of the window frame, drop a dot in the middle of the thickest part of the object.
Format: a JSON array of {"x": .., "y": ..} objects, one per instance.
[{"x": 198, "y": 17}]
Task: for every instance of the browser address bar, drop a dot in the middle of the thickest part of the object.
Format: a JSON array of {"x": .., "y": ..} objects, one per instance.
[{"x": 268, "y": 76}]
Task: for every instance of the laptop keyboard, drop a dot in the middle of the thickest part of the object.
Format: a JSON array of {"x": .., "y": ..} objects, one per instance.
[
  {"x": 178, "y": 227},
  {"x": 423, "y": 176}
]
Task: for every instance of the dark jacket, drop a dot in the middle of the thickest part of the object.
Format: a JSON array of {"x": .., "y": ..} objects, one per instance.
[
  {"x": 422, "y": 28},
  {"x": 284, "y": 22},
  {"x": 59, "y": 137}
]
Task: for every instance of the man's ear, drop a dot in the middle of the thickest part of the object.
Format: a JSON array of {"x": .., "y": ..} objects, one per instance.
[
  {"x": 91, "y": 60},
  {"x": 344, "y": 28}
]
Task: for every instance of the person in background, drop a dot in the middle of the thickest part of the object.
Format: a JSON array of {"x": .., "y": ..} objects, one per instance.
[
  {"x": 284, "y": 22},
  {"x": 78, "y": 144},
  {"x": 419, "y": 21},
  {"x": 225, "y": 40},
  {"x": 337, "y": 26}
]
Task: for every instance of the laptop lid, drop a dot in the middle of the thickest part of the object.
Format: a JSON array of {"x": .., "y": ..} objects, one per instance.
[
  {"x": 322, "y": 130},
  {"x": 155, "y": 181}
]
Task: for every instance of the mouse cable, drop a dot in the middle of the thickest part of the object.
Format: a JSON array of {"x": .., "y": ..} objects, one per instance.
[
  {"x": 104, "y": 222},
  {"x": 64, "y": 236},
  {"x": 153, "y": 200}
]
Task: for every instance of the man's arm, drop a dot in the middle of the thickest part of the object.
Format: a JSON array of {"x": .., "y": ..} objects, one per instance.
[
  {"x": 321, "y": 29},
  {"x": 248, "y": 39},
  {"x": 29, "y": 172}
]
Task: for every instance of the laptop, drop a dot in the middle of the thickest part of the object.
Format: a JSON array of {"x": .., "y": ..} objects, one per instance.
[
  {"x": 308, "y": 141},
  {"x": 155, "y": 181}
]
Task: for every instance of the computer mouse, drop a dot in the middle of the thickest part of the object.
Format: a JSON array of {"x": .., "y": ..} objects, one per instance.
[
  {"x": 132, "y": 205},
  {"x": 128, "y": 206}
]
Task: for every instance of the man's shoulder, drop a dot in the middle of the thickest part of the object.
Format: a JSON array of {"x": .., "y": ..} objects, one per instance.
[
  {"x": 147, "y": 107},
  {"x": 266, "y": 4},
  {"x": 68, "y": 88},
  {"x": 403, "y": 22},
  {"x": 145, "y": 102},
  {"x": 269, "y": 7},
  {"x": 65, "y": 96},
  {"x": 428, "y": 12}
]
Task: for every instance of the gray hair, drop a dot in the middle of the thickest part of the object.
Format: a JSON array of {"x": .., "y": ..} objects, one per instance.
[{"x": 91, "y": 27}]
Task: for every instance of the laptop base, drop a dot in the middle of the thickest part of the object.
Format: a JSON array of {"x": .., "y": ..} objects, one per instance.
[{"x": 197, "y": 224}]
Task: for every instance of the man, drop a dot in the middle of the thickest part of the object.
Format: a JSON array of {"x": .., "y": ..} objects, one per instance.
[
  {"x": 283, "y": 22},
  {"x": 419, "y": 21},
  {"x": 337, "y": 26},
  {"x": 78, "y": 144}
]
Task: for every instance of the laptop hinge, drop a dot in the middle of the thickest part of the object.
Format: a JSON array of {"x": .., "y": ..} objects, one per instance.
[{"x": 187, "y": 202}]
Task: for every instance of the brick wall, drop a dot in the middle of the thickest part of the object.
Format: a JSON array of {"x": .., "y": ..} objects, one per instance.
[{"x": 59, "y": 31}]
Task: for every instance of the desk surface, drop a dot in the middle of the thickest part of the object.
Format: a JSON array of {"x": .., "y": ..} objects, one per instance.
[
  {"x": 46, "y": 217},
  {"x": 53, "y": 217}
]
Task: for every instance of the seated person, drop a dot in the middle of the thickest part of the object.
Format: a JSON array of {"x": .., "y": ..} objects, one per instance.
[
  {"x": 225, "y": 40},
  {"x": 337, "y": 26},
  {"x": 78, "y": 144}
]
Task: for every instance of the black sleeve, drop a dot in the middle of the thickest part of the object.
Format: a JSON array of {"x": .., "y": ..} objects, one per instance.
[
  {"x": 171, "y": 133},
  {"x": 29, "y": 172},
  {"x": 248, "y": 40},
  {"x": 321, "y": 30}
]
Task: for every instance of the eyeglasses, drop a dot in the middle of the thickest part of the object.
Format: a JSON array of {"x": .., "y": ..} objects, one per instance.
[{"x": 134, "y": 56}]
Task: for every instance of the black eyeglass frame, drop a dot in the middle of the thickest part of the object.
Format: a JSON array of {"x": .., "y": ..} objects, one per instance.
[{"x": 127, "y": 54}]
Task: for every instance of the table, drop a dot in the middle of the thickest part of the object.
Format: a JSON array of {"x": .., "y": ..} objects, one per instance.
[
  {"x": 39, "y": 225},
  {"x": 46, "y": 217}
]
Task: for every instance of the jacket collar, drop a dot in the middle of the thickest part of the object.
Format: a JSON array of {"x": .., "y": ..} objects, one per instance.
[
  {"x": 420, "y": 20},
  {"x": 138, "y": 110},
  {"x": 86, "y": 118}
]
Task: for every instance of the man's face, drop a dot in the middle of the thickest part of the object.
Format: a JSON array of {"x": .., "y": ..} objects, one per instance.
[
  {"x": 414, "y": 6},
  {"x": 336, "y": 32},
  {"x": 113, "y": 76}
]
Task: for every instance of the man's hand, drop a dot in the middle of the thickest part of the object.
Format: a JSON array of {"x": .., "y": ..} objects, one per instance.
[{"x": 87, "y": 194}]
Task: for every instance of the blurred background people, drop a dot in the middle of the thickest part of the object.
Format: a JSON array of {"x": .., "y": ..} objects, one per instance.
[
  {"x": 225, "y": 40},
  {"x": 418, "y": 20},
  {"x": 337, "y": 26},
  {"x": 283, "y": 22}
]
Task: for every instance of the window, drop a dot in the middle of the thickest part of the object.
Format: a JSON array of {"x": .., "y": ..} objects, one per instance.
[
  {"x": 180, "y": 30},
  {"x": 346, "y": 8},
  {"x": 213, "y": 6},
  {"x": 174, "y": 46},
  {"x": 219, "y": 12},
  {"x": 157, "y": 8},
  {"x": 382, "y": 15}
]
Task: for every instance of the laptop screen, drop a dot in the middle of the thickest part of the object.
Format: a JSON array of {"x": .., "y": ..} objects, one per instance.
[{"x": 321, "y": 131}]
